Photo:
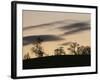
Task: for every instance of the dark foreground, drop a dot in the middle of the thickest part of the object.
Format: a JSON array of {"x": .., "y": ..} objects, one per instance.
[{"x": 57, "y": 61}]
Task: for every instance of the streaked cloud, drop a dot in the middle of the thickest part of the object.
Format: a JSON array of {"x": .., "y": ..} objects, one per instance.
[
  {"x": 75, "y": 28},
  {"x": 44, "y": 25},
  {"x": 30, "y": 39},
  {"x": 65, "y": 43}
]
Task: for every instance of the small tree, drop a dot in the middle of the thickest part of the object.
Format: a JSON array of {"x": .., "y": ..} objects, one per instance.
[
  {"x": 27, "y": 56},
  {"x": 56, "y": 52},
  {"x": 37, "y": 49},
  {"x": 73, "y": 48},
  {"x": 80, "y": 50},
  {"x": 87, "y": 50},
  {"x": 59, "y": 51},
  {"x": 62, "y": 52},
  {"x": 76, "y": 49}
]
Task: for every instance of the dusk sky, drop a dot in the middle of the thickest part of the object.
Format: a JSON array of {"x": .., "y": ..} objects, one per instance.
[{"x": 56, "y": 29}]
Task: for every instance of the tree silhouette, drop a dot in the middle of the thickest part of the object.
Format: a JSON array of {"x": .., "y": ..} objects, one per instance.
[
  {"x": 80, "y": 50},
  {"x": 73, "y": 48},
  {"x": 59, "y": 51},
  {"x": 86, "y": 50},
  {"x": 37, "y": 49},
  {"x": 76, "y": 49},
  {"x": 27, "y": 56},
  {"x": 56, "y": 52}
]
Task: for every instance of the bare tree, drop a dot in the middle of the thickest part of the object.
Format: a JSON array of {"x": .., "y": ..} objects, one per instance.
[
  {"x": 73, "y": 48},
  {"x": 76, "y": 49},
  {"x": 37, "y": 48}
]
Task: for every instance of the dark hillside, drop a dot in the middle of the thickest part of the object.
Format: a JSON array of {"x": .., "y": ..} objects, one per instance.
[{"x": 57, "y": 61}]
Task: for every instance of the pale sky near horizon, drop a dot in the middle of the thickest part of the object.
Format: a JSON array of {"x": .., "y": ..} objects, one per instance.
[{"x": 56, "y": 28}]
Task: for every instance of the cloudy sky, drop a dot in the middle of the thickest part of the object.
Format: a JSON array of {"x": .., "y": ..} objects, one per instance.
[{"x": 55, "y": 28}]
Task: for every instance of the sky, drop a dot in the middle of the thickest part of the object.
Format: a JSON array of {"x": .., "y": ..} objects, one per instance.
[{"x": 56, "y": 29}]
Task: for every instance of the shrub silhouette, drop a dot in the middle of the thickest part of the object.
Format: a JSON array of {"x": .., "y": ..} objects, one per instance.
[
  {"x": 59, "y": 51},
  {"x": 37, "y": 49}
]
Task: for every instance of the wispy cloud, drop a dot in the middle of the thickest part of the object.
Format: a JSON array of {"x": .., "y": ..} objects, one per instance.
[
  {"x": 44, "y": 24},
  {"x": 75, "y": 31},
  {"x": 30, "y": 39},
  {"x": 75, "y": 28},
  {"x": 75, "y": 25},
  {"x": 66, "y": 43}
]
